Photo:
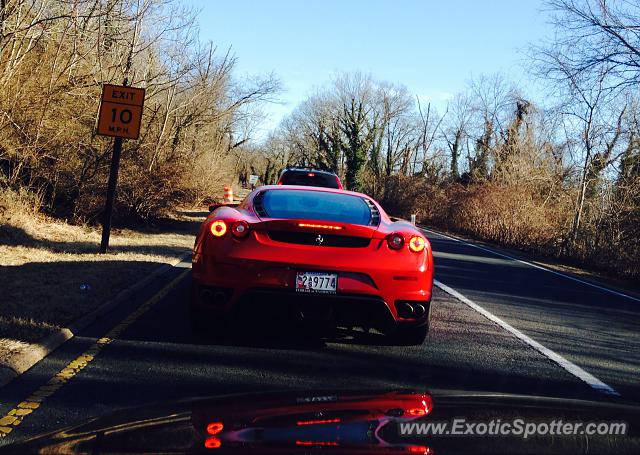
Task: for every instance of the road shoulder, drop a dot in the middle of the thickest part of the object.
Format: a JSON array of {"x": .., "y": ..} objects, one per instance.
[{"x": 57, "y": 283}]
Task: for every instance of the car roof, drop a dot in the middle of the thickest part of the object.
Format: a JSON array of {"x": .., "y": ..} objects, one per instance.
[
  {"x": 312, "y": 188},
  {"x": 308, "y": 169}
]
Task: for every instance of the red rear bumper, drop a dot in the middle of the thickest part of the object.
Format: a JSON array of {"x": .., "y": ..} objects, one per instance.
[{"x": 258, "y": 264}]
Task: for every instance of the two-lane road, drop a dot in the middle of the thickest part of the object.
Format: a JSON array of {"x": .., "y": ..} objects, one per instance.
[
  {"x": 593, "y": 327},
  {"x": 154, "y": 355}
]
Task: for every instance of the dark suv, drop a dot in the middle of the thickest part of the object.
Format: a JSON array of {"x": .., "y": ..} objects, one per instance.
[{"x": 309, "y": 177}]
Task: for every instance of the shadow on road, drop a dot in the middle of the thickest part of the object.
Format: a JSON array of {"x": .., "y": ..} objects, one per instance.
[
  {"x": 294, "y": 336},
  {"x": 38, "y": 297},
  {"x": 275, "y": 355}
]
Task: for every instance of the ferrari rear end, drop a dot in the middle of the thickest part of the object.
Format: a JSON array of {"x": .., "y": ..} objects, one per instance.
[{"x": 315, "y": 254}]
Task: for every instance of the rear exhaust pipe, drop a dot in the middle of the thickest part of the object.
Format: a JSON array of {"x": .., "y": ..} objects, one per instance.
[
  {"x": 219, "y": 298},
  {"x": 206, "y": 296},
  {"x": 408, "y": 309},
  {"x": 419, "y": 310},
  {"x": 213, "y": 297}
]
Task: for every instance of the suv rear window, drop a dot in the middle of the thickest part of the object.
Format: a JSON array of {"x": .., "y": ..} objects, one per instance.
[
  {"x": 315, "y": 205},
  {"x": 309, "y": 178}
]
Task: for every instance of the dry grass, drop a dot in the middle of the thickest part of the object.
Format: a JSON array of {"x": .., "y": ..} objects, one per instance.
[
  {"x": 517, "y": 215},
  {"x": 51, "y": 272}
]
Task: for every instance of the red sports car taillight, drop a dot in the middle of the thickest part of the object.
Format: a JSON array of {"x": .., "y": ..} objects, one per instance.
[
  {"x": 212, "y": 443},
  {"x": 240, "y": 229},
  {"x": 416, "y": 244},
  {"x": 218, "y": 228},
  {"x": 215, "y": 427},
  {"x": 395, "y": 241},
  {"x": 331, "y": 227}
]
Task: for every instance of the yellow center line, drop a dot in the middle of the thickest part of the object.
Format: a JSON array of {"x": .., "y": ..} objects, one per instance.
[{"x": 26, "y": 407}]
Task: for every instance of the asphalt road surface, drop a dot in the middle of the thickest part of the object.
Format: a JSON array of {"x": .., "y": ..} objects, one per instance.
[{"x": 508, "y": 327}]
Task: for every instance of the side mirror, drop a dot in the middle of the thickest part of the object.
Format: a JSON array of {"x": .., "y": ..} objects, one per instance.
[{"x": 215, "y": 206}]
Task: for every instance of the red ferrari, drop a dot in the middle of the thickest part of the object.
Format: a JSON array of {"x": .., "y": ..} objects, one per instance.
[
  {"x": 317, "y": 254},
  {"x": 282, "y": 423}
]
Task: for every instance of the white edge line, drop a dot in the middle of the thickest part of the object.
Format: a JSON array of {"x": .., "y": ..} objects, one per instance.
[
  {"x": 570, "y": 367},
  {"x": 546, "y": 269}
]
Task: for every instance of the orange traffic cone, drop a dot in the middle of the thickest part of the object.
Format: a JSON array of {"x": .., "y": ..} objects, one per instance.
[{"x": 228, "y": 195}]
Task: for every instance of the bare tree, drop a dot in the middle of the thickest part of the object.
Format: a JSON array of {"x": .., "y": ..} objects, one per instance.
[
  {"x": 429, "y": 126},
  {"x": 54, "y": 57},
  {"x": 455, "y": 130},
  {"x": 595, "y": 37}
]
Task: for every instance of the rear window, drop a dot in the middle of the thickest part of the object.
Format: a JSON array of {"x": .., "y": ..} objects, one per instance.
[
  {"x": 316, "y": 205},
  {"x": 309, "y": 178}
]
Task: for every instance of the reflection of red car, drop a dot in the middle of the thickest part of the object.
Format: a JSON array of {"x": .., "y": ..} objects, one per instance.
[
  {"x": 290, "y": 422},
  {"x": 324, "y": 253}
]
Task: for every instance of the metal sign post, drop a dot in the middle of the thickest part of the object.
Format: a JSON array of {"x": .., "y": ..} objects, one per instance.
[
  {"x": 111, "y": 193},
  {"x": 253, "y": 179},
  {"x": 120, "y": 117}
]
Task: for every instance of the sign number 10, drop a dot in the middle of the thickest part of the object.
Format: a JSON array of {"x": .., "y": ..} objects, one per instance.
[{"x": 125, "y": 115}]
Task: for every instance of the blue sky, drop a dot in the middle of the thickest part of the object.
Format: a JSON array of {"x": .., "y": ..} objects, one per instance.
[{"x": 432, "y": 47}]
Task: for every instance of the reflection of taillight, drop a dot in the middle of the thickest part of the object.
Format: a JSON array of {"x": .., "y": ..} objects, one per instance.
[
  {"x": 218, "y": 228},
  {"x": 316, "y": 443},
  {"x": 416, "y": 244},
  {"x": 240, "y": 229},
  {"x": 419, "y": 449},
  {"x": 215, "y": 427},
  {"x": 311, "y": 174},
  {"x": 395, "y": 241},
  {"x": 212, "y": 443},
  {"x": 318, "y": 422}
]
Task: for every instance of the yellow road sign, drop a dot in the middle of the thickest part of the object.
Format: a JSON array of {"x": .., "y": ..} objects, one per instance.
[{"x": 120, "y": 111}]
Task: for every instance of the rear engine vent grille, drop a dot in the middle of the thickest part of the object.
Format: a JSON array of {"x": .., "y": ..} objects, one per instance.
[
  {"x": 258, "y": 205},
  {"x": 309, "y": 238},
  {"x": 375, "y": 213}
]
